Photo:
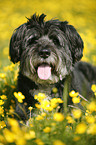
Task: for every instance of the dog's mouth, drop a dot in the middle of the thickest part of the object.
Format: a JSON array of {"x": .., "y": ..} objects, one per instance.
[{"x": 44, "y": 71}]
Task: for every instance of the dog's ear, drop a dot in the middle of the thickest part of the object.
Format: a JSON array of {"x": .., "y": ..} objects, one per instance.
[
  {"x": 75, "y": 42},
  {"x": 15, "y": 46}
]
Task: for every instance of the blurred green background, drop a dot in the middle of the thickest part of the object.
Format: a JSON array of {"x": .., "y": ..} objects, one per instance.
[{"x": 80, "y": 13}]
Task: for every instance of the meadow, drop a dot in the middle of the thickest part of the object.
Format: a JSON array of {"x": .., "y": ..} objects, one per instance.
[{"x": 47, "y": 127}]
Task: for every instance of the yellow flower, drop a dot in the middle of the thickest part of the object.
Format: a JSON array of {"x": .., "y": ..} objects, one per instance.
[
  {"x": 13, "y": 122},
  {"x": 55, "y": 101},
  {"x": 2, "y": 124},
  {"x": 3, "y": 97},
  {"x": 35, "y": 97},
  {"x": 40, "y": 97},
  {"x": 90, "y": 119},
  {"x": 45, "y": 104},
  {"x": 70, "y": 119},
  {"x": 59, "y": 100},
  {"x": 15, "y": 75},
  {"x": 1, "y": 102},
  {"x": 37, "y": 105},
  {"x": 30, "y": 135},
  {"x": 76, "y": 100},
  {"x": 73, "y": 94},
  {"x": 87, "y": 112},
  {"x": 20, "y": 141},
  {"x": 49, "y": 108},
  {"x": 43, "y": 114},
  {"x": 11, "y": 110},
  {"x": 30, "y": 108},
  {"x": 91, "y": 106},
  {"x": 14, "y": 125},
  {"x": 58, "y": 142},
  {"x": 19, "y": 96},
  {"x": 47, "y": 129},
  {"x": 2, "y": 75},
  {"x": 9, "y": 136},
  {"x": 39, "y": 117},
  {"x": 76, "y": 113},
  {"x": 54, "y": 90},
  {"x": 58, "y": 117},
  {"x": 39, "y": 142},
  {"x": 93, "y": 88},
  {"x": 2, "y": 139},
  {"x": 9, "y": 67},
  {"x": 15, "y": 134},
  {"x": 81, "y": 128},
  {"x": 92, "y": 129}
]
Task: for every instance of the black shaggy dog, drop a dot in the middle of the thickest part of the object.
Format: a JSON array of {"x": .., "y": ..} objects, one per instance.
[{"x": 49, "y": 53}]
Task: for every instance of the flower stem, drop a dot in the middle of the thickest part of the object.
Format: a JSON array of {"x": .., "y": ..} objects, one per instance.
[{"x": 65, "y": 94}]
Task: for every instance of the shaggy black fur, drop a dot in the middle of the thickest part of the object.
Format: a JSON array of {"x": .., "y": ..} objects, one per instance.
[{"x": 54, "y": 44}]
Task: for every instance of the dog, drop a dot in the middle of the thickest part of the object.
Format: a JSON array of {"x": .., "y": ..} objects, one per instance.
[{"x": 49, "y": 52}]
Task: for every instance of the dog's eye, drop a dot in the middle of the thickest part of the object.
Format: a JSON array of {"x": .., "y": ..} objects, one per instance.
[
  {"x": 56, "y": 40},
  {"x": 31, "y": 40}
]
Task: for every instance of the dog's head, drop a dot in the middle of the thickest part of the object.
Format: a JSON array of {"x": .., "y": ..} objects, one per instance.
[{"x": 47, "y": 50}]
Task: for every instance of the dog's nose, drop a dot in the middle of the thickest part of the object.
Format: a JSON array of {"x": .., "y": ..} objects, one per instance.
[{"x": 44, "y": 53}]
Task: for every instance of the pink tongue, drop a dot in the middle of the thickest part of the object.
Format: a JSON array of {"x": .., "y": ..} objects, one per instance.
[{"x": 44, "y": 72}]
